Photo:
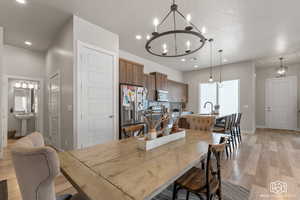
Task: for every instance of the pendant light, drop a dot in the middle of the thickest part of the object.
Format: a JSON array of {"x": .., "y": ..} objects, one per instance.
[
  {"x": 220, "y": 75},
  {"x": 211, "y": 64},
  {"x": 281, "y": 71}
]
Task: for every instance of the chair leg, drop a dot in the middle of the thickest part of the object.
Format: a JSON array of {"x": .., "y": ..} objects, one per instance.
[
  {"x": 174, "y": 192},
  {"x": 240, "y": 134},
  {"x": 234, "y": 137},
  {"x": 187, "y": 195}
]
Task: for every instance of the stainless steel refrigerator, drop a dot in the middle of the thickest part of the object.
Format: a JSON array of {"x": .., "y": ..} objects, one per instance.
[{"x": 133, "y": 101}]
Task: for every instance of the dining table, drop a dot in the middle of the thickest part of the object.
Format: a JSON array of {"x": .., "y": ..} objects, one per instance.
[{"x": 119, "y": 170}]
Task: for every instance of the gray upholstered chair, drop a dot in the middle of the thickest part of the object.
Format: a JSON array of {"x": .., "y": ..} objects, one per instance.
[{"x": 36, "y": 167}]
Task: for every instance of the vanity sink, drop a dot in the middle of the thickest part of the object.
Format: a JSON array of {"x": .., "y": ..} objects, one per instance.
[{"x": 23, "y": 117}]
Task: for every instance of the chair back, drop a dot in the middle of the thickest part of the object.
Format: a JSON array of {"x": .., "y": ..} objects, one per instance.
[
  {"x": 213, "y": 164},
  {"x": 201, "y": 123},
  {"x": 233, "y": 119},
  {"x": 238, "y": 119},
  {"x": 36, "y": 167},
  {"x": 132, "y": 131},
  {"x": 227, "y": 123}
]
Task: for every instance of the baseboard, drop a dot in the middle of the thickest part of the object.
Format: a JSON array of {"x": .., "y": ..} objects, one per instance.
[
  {"x": 248, "y": 132},
  {"x": 260, "y": 126}
]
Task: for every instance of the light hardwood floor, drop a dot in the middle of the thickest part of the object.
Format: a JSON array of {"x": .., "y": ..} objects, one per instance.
[{"x": 264, "y": 157}]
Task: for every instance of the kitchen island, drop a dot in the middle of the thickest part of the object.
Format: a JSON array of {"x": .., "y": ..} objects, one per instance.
[{"x": 119, "y": 170}]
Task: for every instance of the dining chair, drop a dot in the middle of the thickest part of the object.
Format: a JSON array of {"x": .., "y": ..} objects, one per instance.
[
  {"x": 134, "y": 130},
  {"x": 203, "y": 183},
  {"x": 238, "y": 127},
  {"x": 36, "y": 167},
  {"x": 227, "y": 131},
  {"x": 232, "y": 128}
]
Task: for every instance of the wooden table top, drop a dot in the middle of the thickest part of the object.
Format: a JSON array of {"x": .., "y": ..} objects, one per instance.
[{"x": 119, "y": 170}]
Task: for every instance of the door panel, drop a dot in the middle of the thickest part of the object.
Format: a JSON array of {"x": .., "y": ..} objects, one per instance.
[
  {"x": 281, "y": 103},
  {"x": 54, "y": 110},
  {"x": 96, "y": 124}
]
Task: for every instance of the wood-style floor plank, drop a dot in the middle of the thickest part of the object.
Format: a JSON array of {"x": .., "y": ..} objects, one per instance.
[{"x": 264, "y": 157}]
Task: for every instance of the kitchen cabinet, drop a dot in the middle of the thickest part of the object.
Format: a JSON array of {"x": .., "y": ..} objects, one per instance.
[
  {"x": 131, "y": 73},
  {"x": 161, "y": 81},
  {"x": 178, "y": 92},
  {"x": 149, "y": 83}
]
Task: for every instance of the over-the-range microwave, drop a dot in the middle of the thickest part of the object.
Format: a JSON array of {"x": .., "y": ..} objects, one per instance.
[{"x": 162, "y": 95}]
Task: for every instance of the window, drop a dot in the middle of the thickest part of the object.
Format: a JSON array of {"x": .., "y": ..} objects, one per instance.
[{"x": 226, "y": 95}]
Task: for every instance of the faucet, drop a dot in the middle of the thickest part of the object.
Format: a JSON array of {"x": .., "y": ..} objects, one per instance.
[{"x": 211, "y": 106}]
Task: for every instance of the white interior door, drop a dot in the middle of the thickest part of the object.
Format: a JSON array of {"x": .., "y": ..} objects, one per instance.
[
  {"x": 96, "y": 96},
  {"x": 54, "y": 110},
  {"x": 281, "y": 103}
]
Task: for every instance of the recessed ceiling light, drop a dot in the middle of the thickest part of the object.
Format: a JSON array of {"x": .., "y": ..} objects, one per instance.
[
  {"x": 196, "y": 66},
  {"x": 225, "y": 60},
  {"x": 21, "y": 1},
  {"x": 138, "y": 37},
  {"x": 183, "y": 59},
  {"x": 28, "y": 43},
  {"x": 203, "y": 30},
  {"x": 148, "y": 37}
]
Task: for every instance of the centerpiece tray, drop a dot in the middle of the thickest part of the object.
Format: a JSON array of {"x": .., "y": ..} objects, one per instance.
[{"x": 146, "y": 145}]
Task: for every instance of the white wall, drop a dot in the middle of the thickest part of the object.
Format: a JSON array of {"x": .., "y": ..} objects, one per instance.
[
  {"x": 245, "y": 72},
  {"x": 23, "y": 62},
  {"x": 59, "y": 59},
  {"x": 1, "y": 96},
  {"x": 150, "y": 66},
  {"x": 262, "y": 74}
]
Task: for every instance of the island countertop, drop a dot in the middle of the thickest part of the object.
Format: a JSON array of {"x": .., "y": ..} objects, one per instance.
[{"x": 119, "y": 170}]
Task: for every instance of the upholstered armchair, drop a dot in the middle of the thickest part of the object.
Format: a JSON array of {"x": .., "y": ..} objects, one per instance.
[{"x": 36, "y": 167}]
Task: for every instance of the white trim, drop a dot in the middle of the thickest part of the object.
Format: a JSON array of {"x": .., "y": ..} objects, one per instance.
[
  {"x": 57, "y": 73},
  {"x": 261, "y": 126},
  {"x": 5, "y": 102},
  {"x": 77, "y": 83},
  {"x": 248, "y": 132}
]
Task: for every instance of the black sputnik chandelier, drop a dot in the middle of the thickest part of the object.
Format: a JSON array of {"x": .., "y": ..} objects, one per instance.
[{"x": 175, "y": 39}]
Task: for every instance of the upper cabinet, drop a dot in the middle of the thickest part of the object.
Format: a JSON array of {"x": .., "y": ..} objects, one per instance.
[
  {"x": 161, "y": 81},
  {"x": 149, "y": 83},
  {"x": 131, "y": 73},
  {"x": 178, "y": 92}
]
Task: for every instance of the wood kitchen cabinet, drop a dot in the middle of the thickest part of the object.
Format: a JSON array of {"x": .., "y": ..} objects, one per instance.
[
  {"x": 178, "y": 92},
  {"x": 161, "y": 81},
  {"x": 149, "y": 83},
  {"x": 131, "y": 73}
]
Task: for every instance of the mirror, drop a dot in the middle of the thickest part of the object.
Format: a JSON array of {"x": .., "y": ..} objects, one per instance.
[{"x": 23, "y": 101}]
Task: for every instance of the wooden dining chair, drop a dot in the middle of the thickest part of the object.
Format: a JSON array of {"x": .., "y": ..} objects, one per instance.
[
  {"x": 134, "y": 130},
  {"x": 204, "y": 183}
]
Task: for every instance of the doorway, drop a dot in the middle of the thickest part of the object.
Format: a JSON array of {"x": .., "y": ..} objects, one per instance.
[
  {"x": 281, "y": 103},
  {"x": 23, "y": 106}
]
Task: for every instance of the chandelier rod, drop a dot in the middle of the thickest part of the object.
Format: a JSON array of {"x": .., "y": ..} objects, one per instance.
[
  {"x": 195, "y": 27},
  {"x": 165, "y": 18},
  {"x": 175, "y": 36}
]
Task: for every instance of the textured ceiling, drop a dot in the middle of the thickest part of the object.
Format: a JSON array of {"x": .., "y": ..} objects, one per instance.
[{"x": 245, "y": 29}]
